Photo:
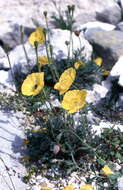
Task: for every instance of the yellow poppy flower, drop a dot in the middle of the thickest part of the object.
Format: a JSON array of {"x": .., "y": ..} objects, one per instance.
[
  {"x": 68, "y": 187},
  {"x": 74, "y": 100},
  {"x": 46, "y": 188},
  {"x": 66, "y": 80},
  {"x": 33, "y": 84},
  {"x": 39, "y": 130},
  {"x": 86, "y": 187},
  {"x": 106, "y": 73},
  {"x": 37, "y": 36},
  {"x": 43, "y": 60},
  {"x": 78, "y": 64},
  {"x": 26, "y": 141},
  {"x": 98, "y": 61},
  {"x": 106, "y": 170},
  {"x": 25, "y": 159}
]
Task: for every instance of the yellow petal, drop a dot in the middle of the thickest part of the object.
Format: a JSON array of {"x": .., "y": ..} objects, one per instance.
[
  {"x": 74, "y": 100},
  {"x": 106, "y": 73},
  {"x": 106, "y": 170},
  {"x": 46, "y": 188},
  {"x": 43, "y": 60},
  {"x": 78, "y": 64},
  {"x": 33, "y": 84},
  {"x": 68, "y": 187},
  {"x": 86, "y": 187},
  {"x": 66, "y": 80},
  {"x": 98, "y": 61},
  {"x": 37, "y": 36}
]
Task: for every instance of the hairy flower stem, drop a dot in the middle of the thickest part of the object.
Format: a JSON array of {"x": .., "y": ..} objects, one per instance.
[
  {"x": 12, "y": 72},
  {"x": 50, "y": 62},
  {"x": 80, "y": 42},
  {"x": 50, "y": 52},
  {"x": 8, "y": 173},
  {"x": 36, "y": 52},
  {"x": 71, "y": 39},
  {"x": 24, "y": 49},
  {"x": 50, "y": 113},
  {"x": 45, "y": 95}
]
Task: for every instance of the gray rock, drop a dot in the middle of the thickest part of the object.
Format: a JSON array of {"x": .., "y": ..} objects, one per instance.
[
  {"x": 95, "y": 25},
  {"x": 120, "y": 2},
  {"x": 11, "y": 35},
  {"x": 108, "y": 45},
  {"x": 23, "y": 15},
  {"x": 110, "y": 15},
  {"x": 2, "y": 55},
  {"x": 119, "y": 26},
  {"x": 60, "y": 49},
  {"x": 117, "y": 71},
  {"x": 11, "y": 139},
  {"x": 6, "y": 82},
  {"x": 58, "y": 38},
  {"x": 120, "y": 183}
]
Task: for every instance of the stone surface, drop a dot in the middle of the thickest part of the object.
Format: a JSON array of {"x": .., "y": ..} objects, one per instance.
[
  {"x": 117, "y": 70},
  {"x": 119, "y": 26},
  {"x": 15, "y": 13},
  {"x": 58, "y": 38},
  {"x": 6, "y": 82},
  {"x": 2, "y": 55},
  {"x": 24, "y": 11},
  {"x": 60, "y": 49},
  {"x": 95, "y": 25},
  {"x": 120, "y": 183},
  {"x": 11, "y": 35},
  {"x": 108, "y": 45},
  {"x": 11, "y": 139},
  {"x": 110, "y": 15}
]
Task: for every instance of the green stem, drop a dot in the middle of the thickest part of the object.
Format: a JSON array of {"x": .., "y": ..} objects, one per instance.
[
  {"x": 74, "y": 161},
  {"x": 47, "y": 100},
  {"x": 80, "y": 42},
  {"x": 50, "y": 54},
  {"x": 84, "y": 143},
  {"x": 37, "y": 62},
  {"x": 50, "y": 61},
  {"x": 12, "y": 73},
  {"x": 22, "y": 42}
]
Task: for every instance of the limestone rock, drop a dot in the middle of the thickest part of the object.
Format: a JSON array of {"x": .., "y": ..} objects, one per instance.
[
  {"x": 25, "y": 12},
  {"x": 110, "y": 15},
  {"x": 108, "y": 45},
  {"x": 11, "y": 139},
  {"x": 95, "y": 25},
  {"x": 119, "y": 26},
  {"x": 120, "y": 183},
  {"x": 117, "y": 71},
  {"x": 58, "y": 38}
]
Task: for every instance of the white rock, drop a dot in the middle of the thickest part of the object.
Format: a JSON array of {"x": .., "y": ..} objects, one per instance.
[
  {"x": 104, "y": 124},
  {"x": 2, "y": 55},
  {"x": 96, "y": 24},
  {"x": 117, "y": 70},
  {"x": 35, "y": 187},
  {"x": 121, "y": 4},
  {"x": 58, "y": 38},
  {"x": 60, "y": 49},
  {"x": 119, "y": 102},
  {"x": 101, "y": 90},
  {"x": 120, "y": 183},
  {"x": 98, "y": 92},
  {"x": 6, "y": 82},
  {"x": 11, "y": 139},
  {"x": 18, "y": 59}
]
